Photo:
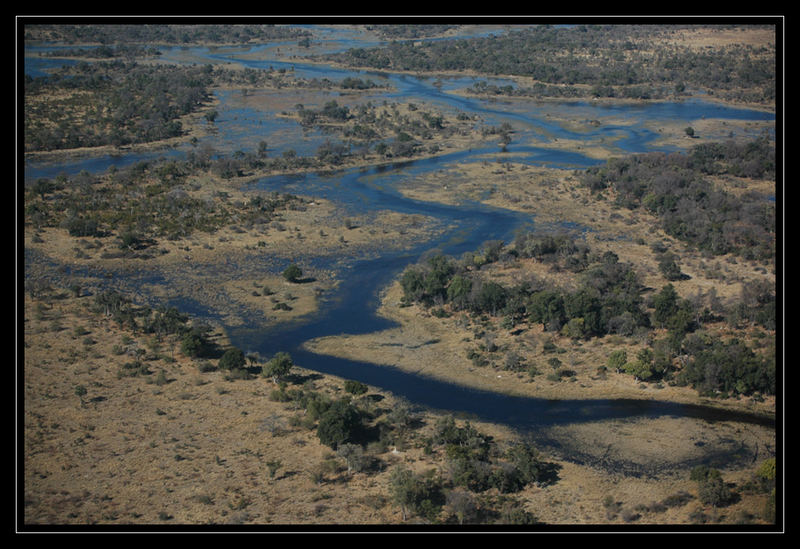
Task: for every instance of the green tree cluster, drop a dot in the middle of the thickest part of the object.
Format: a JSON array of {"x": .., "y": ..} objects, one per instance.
[
  {"x": 609, "y": 299},
  {"x": 727, "y": 367}
]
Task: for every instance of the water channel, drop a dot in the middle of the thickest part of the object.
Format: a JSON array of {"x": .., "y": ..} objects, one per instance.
[{"x": 352, "y": 309}]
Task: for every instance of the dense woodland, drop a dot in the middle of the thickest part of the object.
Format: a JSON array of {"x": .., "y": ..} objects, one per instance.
[
  {"x": 678, "y": 189},
  {"x": 113, "y": 103},
  {"x": 156, "y": 33},
  {"x": 623, "y": 61}
]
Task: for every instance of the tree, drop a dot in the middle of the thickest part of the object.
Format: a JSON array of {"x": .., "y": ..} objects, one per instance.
[
  {"x": 523, "y": 467},
  {"x": 292, "y": 273},
  {"x": 353, "y": 455},
  {"x": 194, "y": 344},
  {"x": 711, "y": 489},
  {"x": 232, "y": 359},
  {"x": 458, "y": 291},
  {"x": 278, "y": 366},
  {"x": 575, "y": 328},
  {"x": 420, "y": 494},
  {"x": 339, "y": 424},
  {"x": 617, "y": 360},
  {"x": 462, "y": 504},
  {"x": 642, "y": 367},
  {"x": 412, "y": 282},
  {"x": 665, "y": 304},
  {"x": 402, "y": 488},
  {"x": 491, "y": 298}
]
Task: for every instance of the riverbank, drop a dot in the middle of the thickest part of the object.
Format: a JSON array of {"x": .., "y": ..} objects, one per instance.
[{"x": 439, "y": 347}]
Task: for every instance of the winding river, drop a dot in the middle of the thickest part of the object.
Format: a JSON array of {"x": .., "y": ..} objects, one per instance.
[{"x": 352, "y": 309}]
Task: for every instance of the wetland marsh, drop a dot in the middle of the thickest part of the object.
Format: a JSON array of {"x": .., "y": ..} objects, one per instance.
[{"x": 360, "y": 223}]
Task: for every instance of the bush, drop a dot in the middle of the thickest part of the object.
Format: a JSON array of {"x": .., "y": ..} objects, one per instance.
[
  {"x": 292, "y": 273},
  {"x": 232, "y": 359},
  {"x": 355, "y": 387},
  {"x": 419, "y": 494},
  {"x": 711, "y": 489},
  {"x": 339, "y": 424},
  {"x": 617, "y": 360},
  {"x": 278, "y": 366},
  {"x": 205, "y": 366}
]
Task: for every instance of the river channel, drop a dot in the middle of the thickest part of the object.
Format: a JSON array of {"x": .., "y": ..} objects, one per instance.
[{"x": 352, "y": 310}]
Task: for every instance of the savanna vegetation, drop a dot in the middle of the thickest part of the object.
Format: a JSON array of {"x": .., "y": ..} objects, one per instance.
[
  {"x": 112, "y": 103},
  {"x": 147, "y": 364},
  {"x": 613, "y": 61},
  {"x": 606, "y": 296},
  {"x": 113, "y": 34},
  {"x": 679, "y": 190},
  {"x": 472, "y": 478},
  {"x": 314, "y": 437},
  {"x": 137, "y": 206}
]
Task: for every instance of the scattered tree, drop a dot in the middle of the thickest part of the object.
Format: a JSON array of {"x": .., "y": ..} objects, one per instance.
[
  {"x": 353, "y": 455},
  {"x": 340, "y": 423},
  {"x": 278, "y": 366},
  {"x": 232, "y": 359},
  {"x": 292, "y": 273}
]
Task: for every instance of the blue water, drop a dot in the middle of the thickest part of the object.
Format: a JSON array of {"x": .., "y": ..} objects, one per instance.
[{"x": 352, "y": 309}]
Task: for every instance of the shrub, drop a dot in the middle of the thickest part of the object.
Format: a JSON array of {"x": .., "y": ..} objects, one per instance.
[
  {"x": 278, "y": 366},
  {"x": 339, "y": 424},
  {"x": 232, "y": 359},
  {"x": 292, "y": 273},
  {"x": 617, "y": 360},
  {"x": 355, "y": 387},
  {"x": 419, "y": 494}
]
